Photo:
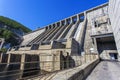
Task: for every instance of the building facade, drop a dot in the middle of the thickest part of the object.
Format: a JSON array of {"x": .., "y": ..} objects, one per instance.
[
  {"x": 114, "y": 14},
  {"x": 66, "y": 43}
]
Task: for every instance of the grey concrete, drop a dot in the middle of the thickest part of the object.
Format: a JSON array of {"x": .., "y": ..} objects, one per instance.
[
  {"x": 106, "y": 70},
  {"x": 114, "y": 14},
  {"x": 1, "y": 42},
  {"x": 77, "y": 73}
]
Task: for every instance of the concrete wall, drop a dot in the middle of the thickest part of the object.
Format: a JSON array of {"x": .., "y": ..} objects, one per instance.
[
  {"x": 29, "y": 37},
  {"x": 114, "y": 14},
  {"x": 85, "y": 71},
  {"x": 102, "y": 10},
  {"x": 97, "y": 13}
]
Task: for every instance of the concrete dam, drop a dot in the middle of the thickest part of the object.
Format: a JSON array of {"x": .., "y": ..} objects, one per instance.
[{"x": 76, "y": 42}]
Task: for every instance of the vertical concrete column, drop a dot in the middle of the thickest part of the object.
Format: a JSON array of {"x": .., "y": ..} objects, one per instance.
[
  {"x": 84, "y": 58},
  {"x": 9, "y": 56},
  {"x": 40, "y": 63},
  {"x": 95, "y": 46},
  {"x": 1, "y": 55},
  {"x": 56, "y": 25},
  {"x": 67, "y": 61},
  {"x": 53, "y": 61},
  {"x": 71, "y": 20},
  {"x": 66, "y": 22},
  {"x": 49, "y": 26},
  {"x": 78, "y": 17},
  {"x": 60, "y": 23},
  {"x": 52, "y": 26},
  {"x": 85, "y": 16},
  {"x": 22, "y": 64}
]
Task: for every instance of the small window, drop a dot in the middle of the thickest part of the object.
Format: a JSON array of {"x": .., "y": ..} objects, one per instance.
[{"x": 95, "y": 24}]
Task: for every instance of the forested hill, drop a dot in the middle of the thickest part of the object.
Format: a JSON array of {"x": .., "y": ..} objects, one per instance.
[
  {"x": 13, "y": 24},
  {"x": 12, "y": 31}
]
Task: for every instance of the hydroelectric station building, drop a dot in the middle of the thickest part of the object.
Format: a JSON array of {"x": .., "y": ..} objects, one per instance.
[{"x": 69, "y": 42}]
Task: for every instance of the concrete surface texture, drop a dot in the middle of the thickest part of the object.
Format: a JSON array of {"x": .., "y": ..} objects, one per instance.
[
  {"x": 106, "y": 70},
  {"x": 77, "y": 73},
  {"x": 114, "y": 13},
  {"x": 59, "y": 45}
]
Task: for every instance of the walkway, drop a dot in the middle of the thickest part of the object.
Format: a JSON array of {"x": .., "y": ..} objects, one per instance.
[{"x": 106, "y": 70}]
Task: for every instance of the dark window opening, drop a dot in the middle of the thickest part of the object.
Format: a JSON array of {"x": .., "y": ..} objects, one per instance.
[
  {"x": 82, "y": 18},
  {"x": 50, "y": 26},
  {"x": 68, "y": 21},
  {"x": 95, "y": 24},
  {"x": 53, "y": 25},
  {"x": 63, "y": 23},
  {"x": 58, "y": 24},
  {"x": 74, "y": 20}
]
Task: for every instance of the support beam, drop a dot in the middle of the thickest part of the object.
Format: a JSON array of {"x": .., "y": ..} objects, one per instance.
[
  {"x": 60, "y": 23},
  {"x": 71, "y": 20},
  {"x": 8, "y": 61},
  {"x": 95, "y": 45},
  {"x": 1, "y": 56},
  {"x": 22, "y": 64},
  {"x": 65, "y": 22},
  {"x": 53, "y": 62},
  {"x": 78, "y": 17}
]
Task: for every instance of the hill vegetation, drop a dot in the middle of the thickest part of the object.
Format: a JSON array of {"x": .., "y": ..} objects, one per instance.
[
  {"x": 13, "y": 24},
  {"x": 8, "y": 35}
]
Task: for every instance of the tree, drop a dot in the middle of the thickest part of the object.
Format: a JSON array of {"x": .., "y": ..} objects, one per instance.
[{"x": 3, "y": 50}]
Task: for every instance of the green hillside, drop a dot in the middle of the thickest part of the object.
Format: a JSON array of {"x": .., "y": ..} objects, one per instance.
[
  {"x": 8, "y": 35},
  {"x": 13, "y": 24}
]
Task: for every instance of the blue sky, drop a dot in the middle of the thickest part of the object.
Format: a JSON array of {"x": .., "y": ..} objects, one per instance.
[{"x": 38, "y": 13}]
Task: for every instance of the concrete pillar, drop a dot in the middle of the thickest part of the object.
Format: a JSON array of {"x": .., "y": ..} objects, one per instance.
[
  {"x": 40, "y": 63},
  {"x": 22, "y": 65},
  {"x": 53, "y": 65},
  {"x": 78, "y": 17},
  {"x": 1, "y": 55},
  {"x": 84, "y": 58},
  {"x": 9, "y": 56},
  {"x": 65, "y": 22},
  {"x": 95, "y": 45},
  {"x": 56, "y": 25},
  {"x": 60, "y": 23},
  {"x": 118, "y": 57},
  {"x": 71, "y": 20},
  {"x": 67, "y": 60}
]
